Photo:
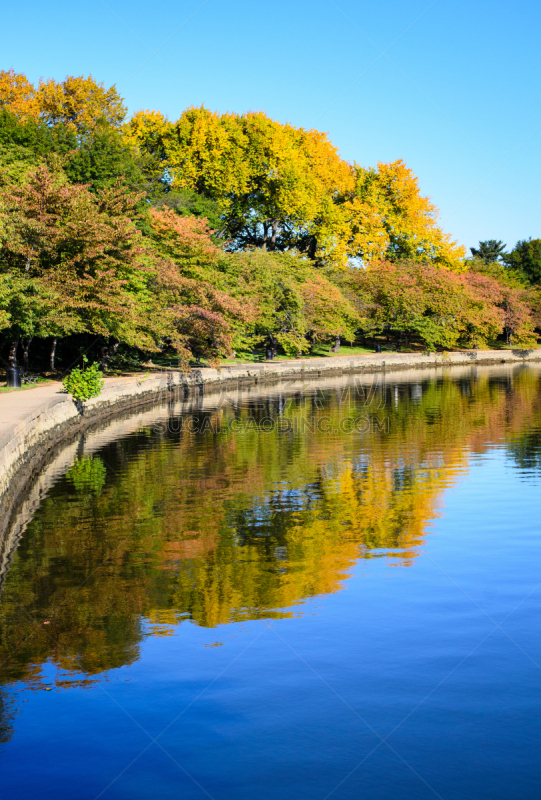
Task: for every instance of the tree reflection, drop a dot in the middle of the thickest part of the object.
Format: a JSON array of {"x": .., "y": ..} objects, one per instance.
[{"x": 234, "y": 523}]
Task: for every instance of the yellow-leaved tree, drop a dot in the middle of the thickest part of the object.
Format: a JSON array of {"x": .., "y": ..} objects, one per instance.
[
  {"x": 276, "y": 184},
  {"x": 389, "y": 218},
  {"x": 286, "y": 188},
  {"x": 78, "y": 102},
  {"x": 18, "y": 95}
]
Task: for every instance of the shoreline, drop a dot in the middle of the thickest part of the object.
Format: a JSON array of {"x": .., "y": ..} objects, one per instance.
[{"x": 33, "y": 423}]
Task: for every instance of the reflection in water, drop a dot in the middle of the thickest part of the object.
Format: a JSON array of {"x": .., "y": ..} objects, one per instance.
[
  {"x": 243, "y": 512},
  {"x": 7, "y": 715}
]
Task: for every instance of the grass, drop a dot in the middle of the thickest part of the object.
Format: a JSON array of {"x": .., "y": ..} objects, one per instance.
[
  {"x": 320, "y": 351},
  {"x": 5, "y": 388}
]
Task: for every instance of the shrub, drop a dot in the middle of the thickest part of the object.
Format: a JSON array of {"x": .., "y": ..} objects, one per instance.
[{"x": 84, "y": 383}]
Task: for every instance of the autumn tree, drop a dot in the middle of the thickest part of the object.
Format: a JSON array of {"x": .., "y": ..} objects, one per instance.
[
  {"x": 298, "y": 306},
  {"x": 390, "y": 219},
  {"x": 511, "y": 300},
  {"x": 275, "y": 183},
  {"x": 286, "y": 188},
  {"x": 78, "y": 102},
  {"x": 420, "y": 300},
  {"x": 202, "y": 316},
  {"x": 78, "y": 256},
  {"x": 18, "y": 95}
]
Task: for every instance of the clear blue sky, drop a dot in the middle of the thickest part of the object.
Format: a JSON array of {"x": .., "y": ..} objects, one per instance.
[{"x": 451, "y": 87}]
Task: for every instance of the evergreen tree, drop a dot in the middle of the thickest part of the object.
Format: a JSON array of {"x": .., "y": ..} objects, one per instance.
[{"x": 490, "y": 251}]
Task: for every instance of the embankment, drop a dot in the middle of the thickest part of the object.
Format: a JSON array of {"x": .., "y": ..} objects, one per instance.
[{"x": 34, "y": 421}]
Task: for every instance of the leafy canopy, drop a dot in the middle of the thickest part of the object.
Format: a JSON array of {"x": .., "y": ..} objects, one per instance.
[
  {"x": 525, "y": 258},
  {"x": 78, "y": 102},
  {"x": 285, "y": 188}
]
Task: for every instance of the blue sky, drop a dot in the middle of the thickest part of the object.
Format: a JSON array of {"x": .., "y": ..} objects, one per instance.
[{"x": 450, "y": 87}]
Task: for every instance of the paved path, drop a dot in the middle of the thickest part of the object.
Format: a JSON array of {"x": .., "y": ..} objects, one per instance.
[{"x": 24, "y": 405}]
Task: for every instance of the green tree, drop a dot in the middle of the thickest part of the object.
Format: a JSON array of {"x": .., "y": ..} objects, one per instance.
[
  {"x": 189, "y": 203},
  {"x": 525, "y": 258},
  {"x": 489, "y": 251}
]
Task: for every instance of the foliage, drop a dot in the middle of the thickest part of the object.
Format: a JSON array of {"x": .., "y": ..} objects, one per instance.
[
  {"x": 274, "y": 182},
  {"x": 533, "y": 299},
  {"x": 189, "y": 203},
  {"x": 511, "y": 302},
  {"x": 201, "y": 313},
  {"x": 286, "y": 188},
  {"x": 296, "y": 303},
  {"x": 525, "y": 258},
  {"x": 401, "y": 223},
  {"x": 498, "y": 271},
  {"x": 78, "y": 102},
  {"x": 489, "y": 251},
  {"x": 223, "y": 231},
  {"x": 84, "y": 383},
  {"x": 441, "y": 308},
  {"x": 78, "y": 256},
  {"x": 18, "y": 94}
]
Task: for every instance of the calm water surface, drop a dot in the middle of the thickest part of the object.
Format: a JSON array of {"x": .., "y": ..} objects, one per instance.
[{"x": 313, "y": 593}]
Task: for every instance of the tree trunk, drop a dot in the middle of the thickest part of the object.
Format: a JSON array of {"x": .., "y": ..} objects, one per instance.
[
  {"x": 52, "y": 354},
  {"x": 271, "y": 347},
  {"x": 107, "y": 353},
  {"x": 336, "y": 346},
  {"x": 26, "y": 347},
  {"x": 274, "y": 228},
  {"x": 13, "y": 353}
]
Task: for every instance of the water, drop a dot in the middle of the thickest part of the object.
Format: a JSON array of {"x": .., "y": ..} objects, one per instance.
[{"x": 306, "y": 593}]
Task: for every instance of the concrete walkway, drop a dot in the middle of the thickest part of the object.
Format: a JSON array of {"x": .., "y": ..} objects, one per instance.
[{"x": 21, "y": 407}]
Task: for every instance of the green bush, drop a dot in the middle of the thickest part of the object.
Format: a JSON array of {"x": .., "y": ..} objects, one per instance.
[{"x": 84, "y": 383}]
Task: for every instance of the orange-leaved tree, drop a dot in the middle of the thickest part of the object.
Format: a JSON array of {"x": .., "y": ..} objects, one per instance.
[
  {"x": 202, "y": 314},
  {"x": 435, "y": 305},
  {"x": 513, "y": 302}
]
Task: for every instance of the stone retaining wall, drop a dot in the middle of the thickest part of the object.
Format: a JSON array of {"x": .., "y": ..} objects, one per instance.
[{"x": 24, "y": 446}]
